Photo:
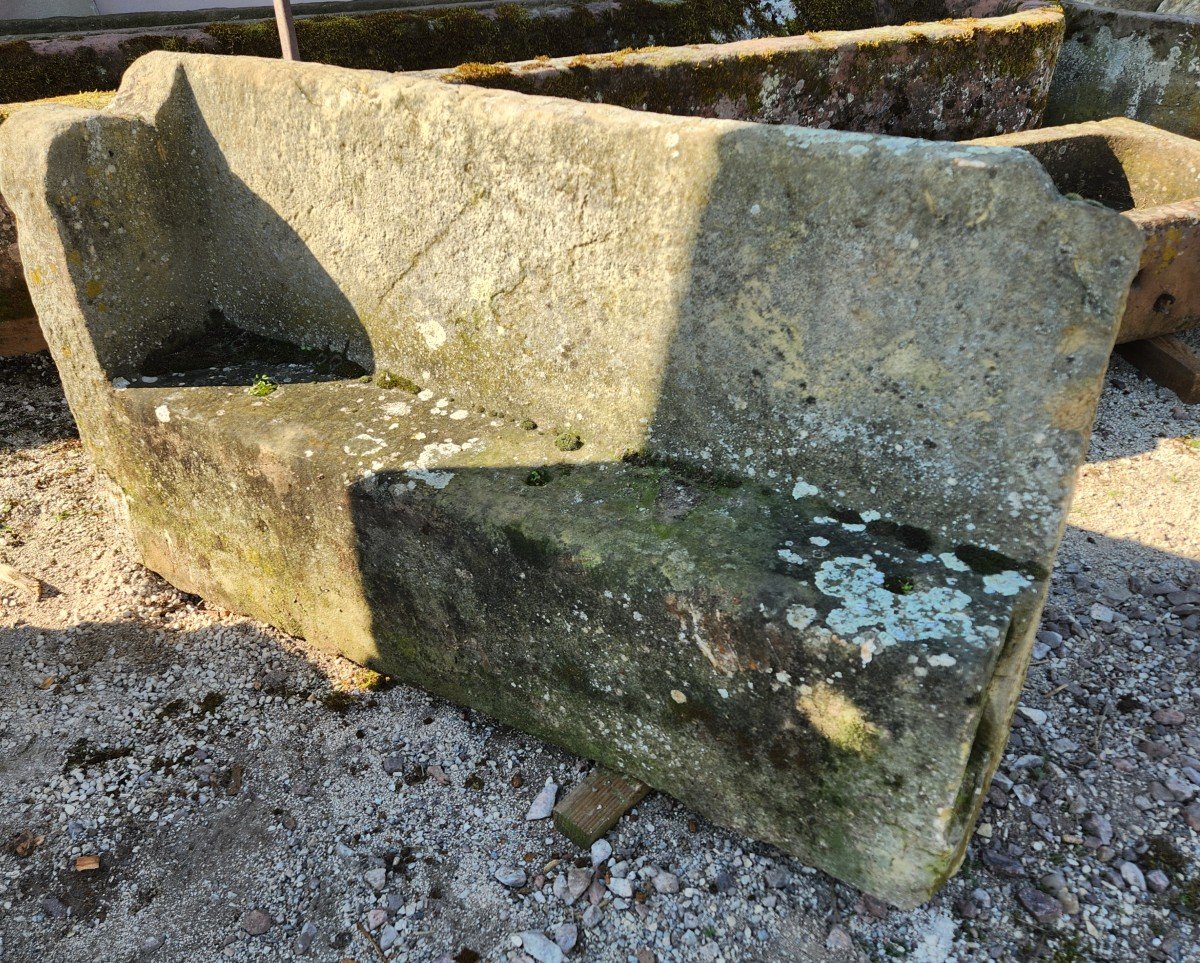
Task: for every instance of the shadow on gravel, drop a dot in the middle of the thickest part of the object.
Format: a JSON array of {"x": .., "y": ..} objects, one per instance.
[{"x": 33, "y": 410}]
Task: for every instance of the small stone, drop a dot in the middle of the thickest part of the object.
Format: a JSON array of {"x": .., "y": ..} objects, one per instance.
[
  {"x": 592, "y": 917},
  {"x": 666, "y": 883},
  {"x": 621, "y": 887},
  {"x": 376, "y": 878},
  {"x": 387, "y": 937},
  {"x": 1132, "y": 876},
  {"x": 540, "y": 948},
  {"x": 376, "y": 918},
  {"x": 1070, "y": 902},
  {"x": 1036, "y": 716},
  {"x": 1101, "y": 613},
  {"x": 1001, "y": 863},
  {"x": 54, "y": 907},
  {"x": 393, "y": 764},
  {"x": 838, "y": 939},
  {"x": 1169, "y": 717},
  {"x": 776, "y": 877},
  {"x": 256, "y": 922},
  {"x": 601, "y": 850},
  {"x": 578, "y": 881},
  {"x": 1157, "y": 881},
  {"x": 304, "y": 942},
  {"x": 1191, "y": 815},
  {"x": 543, "y": 804},
  {"x": 512, "y": 878},
  {"x": 1053, "y": 883},
  {"x": 566, "y": 935},
  {"x": 1041, "y": 906},
  {"x": 1098, "y": 826}
]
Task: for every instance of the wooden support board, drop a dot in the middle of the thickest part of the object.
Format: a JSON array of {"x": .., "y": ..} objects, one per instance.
[
  {"x": 593, "y": 807},
  {"x": 1169, "y": 361},
  {"x": 20, "y": 336}
]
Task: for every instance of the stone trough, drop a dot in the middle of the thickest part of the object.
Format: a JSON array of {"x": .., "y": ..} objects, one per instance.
[
  {"x": 1130, "y": 58},
  {"x": 1154, "y": 178},
  {"x": 732, "y": 456},
  {"x": 950, "y": 80}
]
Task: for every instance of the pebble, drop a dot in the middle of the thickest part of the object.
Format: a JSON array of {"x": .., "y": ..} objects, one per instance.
[
  {"x": 666, "y": 883},
  {"x": 592, "y": 917},
  {"x": 1132, "y": 876},
  {"x": 621, "y": 887},
  {"x": 256, "y": 922},
  {"x": 304, "y": 942},
  {"x": 1157, "y": 881},
  {"x": 376, "y": 878},
  {"x": 1169, "y": 717},
  {"x": 540, "y": 948},
  {"x": 838, "y": 939},
  {"x": 1100, "y": 827},
  {"x": 566, "y": 935},
  {"x": 1041, "y": 906},
  {"x": 601, "y": 850},
  {"x": 387, "y": 937},
  {"x": 1036, "y": 716},
  {"x": 512, "y": 878},
  {"x": 543, "y": 804}
]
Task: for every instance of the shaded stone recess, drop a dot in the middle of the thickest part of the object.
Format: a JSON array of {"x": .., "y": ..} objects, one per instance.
[
  {"x": 1154, "y": 178},
  {"x": 1127, "y": 62},
  {"x": 733, "y": 456},
  {"x": 949, "y": 81}
]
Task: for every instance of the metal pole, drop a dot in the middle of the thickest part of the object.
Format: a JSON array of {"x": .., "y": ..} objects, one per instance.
[{"x": 287, "y": 29}]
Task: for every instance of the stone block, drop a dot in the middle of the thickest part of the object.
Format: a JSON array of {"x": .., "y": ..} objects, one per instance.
[
  {"x": 732, "y": 456},
  {"x": 1153, "y": 177},
  {"x": 950, "y": 80}
]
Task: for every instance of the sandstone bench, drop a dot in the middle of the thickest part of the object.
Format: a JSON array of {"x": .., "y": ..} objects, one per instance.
[{"x": 732, "y": 456}]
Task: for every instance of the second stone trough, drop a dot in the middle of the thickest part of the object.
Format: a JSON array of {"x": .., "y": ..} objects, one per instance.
[{"x": 733, "y": 456}]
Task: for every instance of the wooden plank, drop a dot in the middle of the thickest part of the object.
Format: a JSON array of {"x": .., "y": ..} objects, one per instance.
[
  {"x": 593, "y": 807},
  {"x": 20, "y": 336},
  {"x": 1168, "y": 361}
]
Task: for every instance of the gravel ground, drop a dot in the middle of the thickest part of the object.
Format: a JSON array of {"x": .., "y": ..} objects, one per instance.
[{"x": 251, "y": 798}]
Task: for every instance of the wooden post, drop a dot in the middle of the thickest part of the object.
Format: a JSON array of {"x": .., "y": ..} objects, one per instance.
[{"x": 287, "y": 29}]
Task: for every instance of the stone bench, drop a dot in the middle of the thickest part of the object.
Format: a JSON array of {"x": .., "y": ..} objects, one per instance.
[{"x": 733, "y": 456}]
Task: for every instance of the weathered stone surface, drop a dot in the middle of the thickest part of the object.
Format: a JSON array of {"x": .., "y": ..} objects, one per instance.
[
  {"x": 735, "y": 456},
  {"x": 19, "y": 332},
  {"x": 1154, "y": 178},
  {"x": 948, "y": 81},
  {"x": 1127, "y": 63}
]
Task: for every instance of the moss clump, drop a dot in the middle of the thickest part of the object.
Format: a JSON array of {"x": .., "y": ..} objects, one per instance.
[
  {"x": 537, "y": 477},
  {"x": 475, "y": 72},
  {"x": 262, "y": 386},
  {"x": 387, "y": 380},
  {"x": 83, "y": 754},
  {"x": 528, "y": 424},
  {"x": 568, "y": 441}
]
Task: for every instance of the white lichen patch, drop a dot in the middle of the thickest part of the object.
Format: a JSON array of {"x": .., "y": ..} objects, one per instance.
[
  {"x": 162, "y": 413},
  {"x": 397, "y": 409},
  {"x": 803, "y": 489},
  {"x": 801, "y": 616},
  {"x": 924, "y": 615},
  {"x": 953, "y": 562},
  {"x": 1004, "y": 583},
  {"x": 433, "y": 334},
  {"x": 363, "y": 446}
]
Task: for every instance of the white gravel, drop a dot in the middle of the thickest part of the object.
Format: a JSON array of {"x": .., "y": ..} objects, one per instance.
[{"x": 232, "y": 780}]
